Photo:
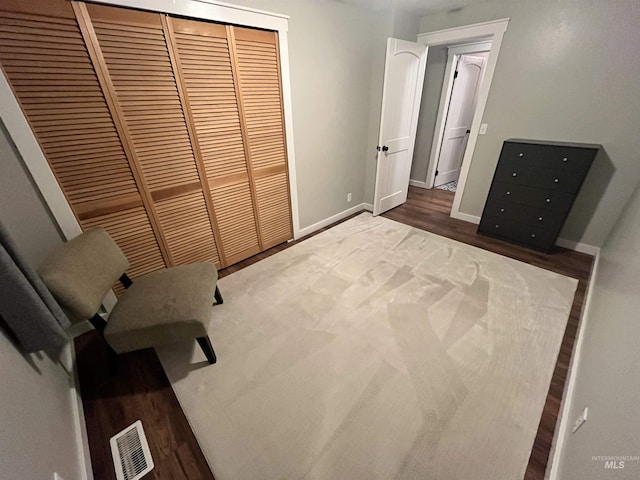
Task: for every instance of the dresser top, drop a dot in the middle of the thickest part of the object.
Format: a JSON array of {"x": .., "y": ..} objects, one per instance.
[{"x": 591, "y": 146}]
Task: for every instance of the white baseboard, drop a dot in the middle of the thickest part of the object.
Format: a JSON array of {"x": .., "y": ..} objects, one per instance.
[
  {"x": 80, "y": 328},
  {"x": 334, "y": 218},
  {"x": 82, "y": 440},
  {"x": 564, "y": 423},
  {"x": 419, "y": 184},
  {"x": 465, "y": 217},
  {"x": 561, "y": 242},
  {"x": 578, "y": 246}
]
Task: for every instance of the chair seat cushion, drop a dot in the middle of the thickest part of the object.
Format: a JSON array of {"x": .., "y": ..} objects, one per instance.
[{"x": 166, "y": 306}]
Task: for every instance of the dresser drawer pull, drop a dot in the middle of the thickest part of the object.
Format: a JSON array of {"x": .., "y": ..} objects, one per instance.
[
  {"x": 514, "y": 174},
  {"x": 521, "y": 154},
  {"x": 540, "y": 219},
  {"x": 508, "y": 192},
  {"x": 502, "y": 209},
  {"x": 533, "y": 235},
  {"x": 497, "y": 226},
  {"x": 565, "y": 159},
  {"x": 555, "y": 180},
  {"x": 548, "y": 200}
]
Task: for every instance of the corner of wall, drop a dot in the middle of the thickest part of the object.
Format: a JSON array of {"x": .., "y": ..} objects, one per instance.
[
  {"x": 406, "y": 25},
  {"x": 564, "y": 421}
]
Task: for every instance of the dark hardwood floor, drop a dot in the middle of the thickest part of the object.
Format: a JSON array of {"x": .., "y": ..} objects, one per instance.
[{"x": 141, "y": 391}]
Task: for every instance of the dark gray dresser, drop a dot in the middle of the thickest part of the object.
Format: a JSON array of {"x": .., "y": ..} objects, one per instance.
[{"x": 533, "y": 189}]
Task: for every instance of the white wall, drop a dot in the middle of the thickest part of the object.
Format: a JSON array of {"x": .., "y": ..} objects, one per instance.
[
  {"x": 37, "y": 433},
  {"x": 568, "y": 70},
  {"x": 607, "y": 377},
  {"x": 405, "y": 25},
  {"x": 22, "y": 210}
]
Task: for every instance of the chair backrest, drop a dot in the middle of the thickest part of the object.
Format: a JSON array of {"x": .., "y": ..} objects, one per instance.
[{"x": 80, "y": 272}]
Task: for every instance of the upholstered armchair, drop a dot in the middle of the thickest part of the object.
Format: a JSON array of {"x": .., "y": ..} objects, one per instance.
[{"x": 166, "y": 306}]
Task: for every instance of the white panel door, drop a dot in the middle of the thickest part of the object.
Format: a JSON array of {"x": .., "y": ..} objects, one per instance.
[
  {"x": 403, "y": 79},
  {"x": 458, "y": 124}
]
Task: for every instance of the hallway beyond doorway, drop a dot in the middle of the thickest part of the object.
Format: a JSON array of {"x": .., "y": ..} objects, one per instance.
[{"x": 449, "y": 187}]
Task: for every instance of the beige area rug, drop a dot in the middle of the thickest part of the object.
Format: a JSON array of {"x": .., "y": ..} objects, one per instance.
[{"x": 375, "y": 350}]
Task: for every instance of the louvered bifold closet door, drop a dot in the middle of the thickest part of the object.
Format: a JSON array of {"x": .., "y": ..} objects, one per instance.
[
  {"x": 258, "y": 71},
  {"x": 45, "y": 60},
  {"x": 141, "y": 75},
  {"x": 205, "y": 68}
]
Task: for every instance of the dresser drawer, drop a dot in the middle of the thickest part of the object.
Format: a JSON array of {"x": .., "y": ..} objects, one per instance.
[
  {"x": 550, "y": 219},
  {"x": 510, "y": 230},
  {"x": 559, "y": 158},
  {"x": 536, "y": 197},
  {"x": 513, "y": 172}
]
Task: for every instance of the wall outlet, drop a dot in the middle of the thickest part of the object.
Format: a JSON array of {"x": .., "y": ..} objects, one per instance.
[
  {"x": 483, "y": 128},
  {"x": 580, "y": 420},
  {"x": 348, "y": 197}
]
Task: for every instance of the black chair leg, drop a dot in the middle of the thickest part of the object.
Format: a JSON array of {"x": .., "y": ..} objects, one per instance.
[
  {"x": 207, "y": 348},
  {"x": 218, "y": 296},
  {"x": 98, "y": 323},
  {"x": 113, "y": 360}
]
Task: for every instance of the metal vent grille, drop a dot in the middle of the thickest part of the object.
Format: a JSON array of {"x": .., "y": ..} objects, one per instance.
[{"x": 130, "y": 450}]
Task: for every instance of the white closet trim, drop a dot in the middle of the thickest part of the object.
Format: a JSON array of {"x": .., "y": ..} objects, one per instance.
[{"x": 210, "y": 10}]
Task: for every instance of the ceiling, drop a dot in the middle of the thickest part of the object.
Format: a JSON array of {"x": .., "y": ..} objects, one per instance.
[{"x": 420, "y": 7}]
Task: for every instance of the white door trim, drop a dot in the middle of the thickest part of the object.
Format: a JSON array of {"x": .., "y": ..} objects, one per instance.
[
  {"x": 453, "y": 54},
  {"x": 35, "y": 161},
  {"x": 488, "y": 31}
]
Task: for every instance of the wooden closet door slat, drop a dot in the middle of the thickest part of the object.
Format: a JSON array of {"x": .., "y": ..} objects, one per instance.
[
  {"x": 45, "y": 60},
  {"x": 188, "y": 230},
  {"x": 257, "y": 65},
  {"x": 236, "y": 217},
  {"x": 132, "y": 44},
  {"x": 273, "y": 201},
  {"x": 203, "y": 55}
]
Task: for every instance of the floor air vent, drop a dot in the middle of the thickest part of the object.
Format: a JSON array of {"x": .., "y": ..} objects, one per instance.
[{"x": 131, "y": 457}]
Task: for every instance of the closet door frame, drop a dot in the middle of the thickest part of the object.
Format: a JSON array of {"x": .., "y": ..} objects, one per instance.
[{"x": 35, "y": 161}]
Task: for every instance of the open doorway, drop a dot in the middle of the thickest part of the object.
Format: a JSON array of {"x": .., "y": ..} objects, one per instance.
[
  {"x": 399, "y": 131},
  {"x": 468, "y": 63},
  {"x": 446, "y": 51}
]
